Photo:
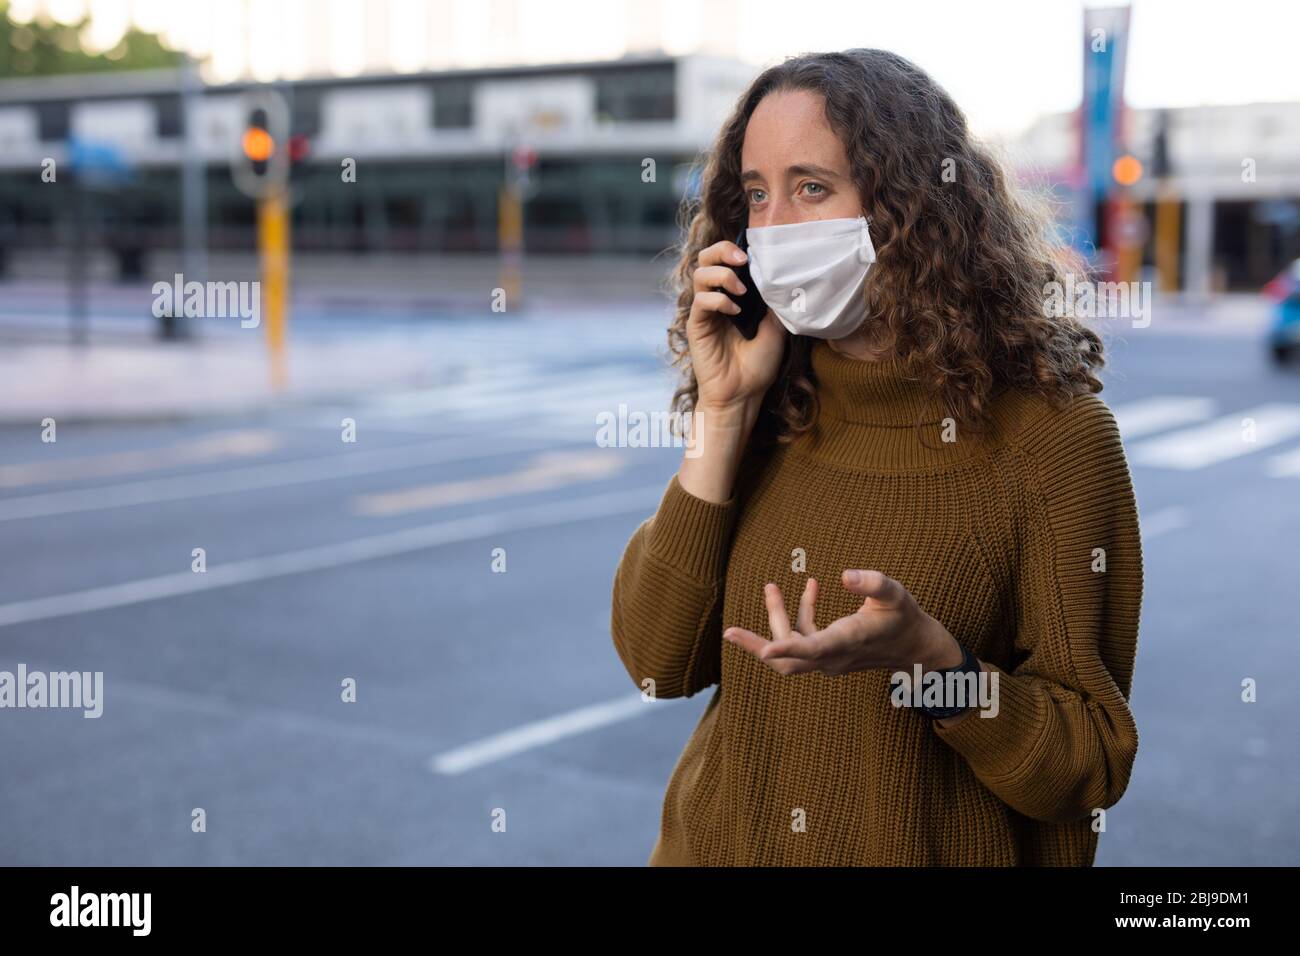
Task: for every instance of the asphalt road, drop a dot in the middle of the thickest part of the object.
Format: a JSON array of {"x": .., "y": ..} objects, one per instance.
[{"x": 485, "y": 695}]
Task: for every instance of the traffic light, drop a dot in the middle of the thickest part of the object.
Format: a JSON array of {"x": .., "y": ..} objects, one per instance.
[
  {"x": 260, "y": 167},
  {"x": 1127, "y": 170},
  {"x": 523, "y": 161},
  {"x": 299, "y": 148},
  {"x": 257, "y": 142}
]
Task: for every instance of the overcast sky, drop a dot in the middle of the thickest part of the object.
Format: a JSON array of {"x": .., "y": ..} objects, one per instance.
[{"x": 1005, "y": 61}]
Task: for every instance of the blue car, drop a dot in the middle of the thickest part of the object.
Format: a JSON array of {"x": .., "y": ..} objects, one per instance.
[{"x": 1284, "y": 333}]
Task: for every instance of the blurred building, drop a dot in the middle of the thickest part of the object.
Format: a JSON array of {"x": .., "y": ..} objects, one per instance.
[
  {"x": 614, "y": 142},
  {"x": 1231, "y": 173},
  {"x": 433, "y": 150}
]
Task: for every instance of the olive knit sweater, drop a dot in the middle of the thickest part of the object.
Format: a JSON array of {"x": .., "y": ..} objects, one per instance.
[{"x": 1023, "y": 541}]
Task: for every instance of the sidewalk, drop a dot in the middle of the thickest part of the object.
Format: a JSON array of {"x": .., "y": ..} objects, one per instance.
[
  {"x": 160, "y": 381},
  {"x": 1227, "y": 314}
]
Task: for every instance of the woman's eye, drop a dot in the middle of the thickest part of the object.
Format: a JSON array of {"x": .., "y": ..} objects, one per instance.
[
  {"x": 756, "y": 195},
  {"x": 818, "y": 186}
]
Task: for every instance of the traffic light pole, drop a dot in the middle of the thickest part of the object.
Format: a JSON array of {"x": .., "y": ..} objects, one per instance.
[
  {"x": 515, "y": 189},
  {"x": 261, "y": 171},
  {"x": 273, "y": 252},
  {"x": 510, "y": 231},
  {"x": 194, "y": 188},
  {"x": 77, "y": 263}
]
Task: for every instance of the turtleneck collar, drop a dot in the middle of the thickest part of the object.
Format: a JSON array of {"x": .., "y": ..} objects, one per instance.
[
  {"x": 876, "y": 416},
  {"x": 884, "y": 392}
]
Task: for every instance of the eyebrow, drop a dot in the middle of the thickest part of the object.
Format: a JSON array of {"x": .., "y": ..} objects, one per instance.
[{"x": 801, "y": 169}]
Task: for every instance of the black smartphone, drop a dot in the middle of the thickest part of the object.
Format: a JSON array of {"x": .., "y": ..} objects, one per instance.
[{"x": 752, "y": 306}]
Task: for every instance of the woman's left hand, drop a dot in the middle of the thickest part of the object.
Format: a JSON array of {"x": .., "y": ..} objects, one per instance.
[{"x": 889, "y": 631}]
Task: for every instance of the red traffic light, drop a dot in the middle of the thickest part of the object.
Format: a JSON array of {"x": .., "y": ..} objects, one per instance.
[
  {"x": 525, "y": 157},
  {"x": 299, "y": 148}
]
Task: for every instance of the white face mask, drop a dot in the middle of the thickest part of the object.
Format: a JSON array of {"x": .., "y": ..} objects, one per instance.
[{"x": 812, "y": 274}]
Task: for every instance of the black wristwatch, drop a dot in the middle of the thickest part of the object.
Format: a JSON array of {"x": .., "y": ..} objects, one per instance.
[{"x": 968, "y": 665}]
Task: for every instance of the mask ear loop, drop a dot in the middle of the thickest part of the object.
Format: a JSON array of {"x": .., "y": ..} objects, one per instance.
[{"x": 866, "y": 249}]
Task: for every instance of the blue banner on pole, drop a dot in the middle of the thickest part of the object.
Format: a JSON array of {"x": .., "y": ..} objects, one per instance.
[{"x": 1105, "y": 47}]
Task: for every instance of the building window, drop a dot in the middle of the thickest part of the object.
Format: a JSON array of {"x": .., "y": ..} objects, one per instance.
[
  {"x": 453, "y": 104},
  {"x": 52, "y": 120},
  {"x": 305, "y": 111},
  {"x": 167, "y": 117},
  {"x": 636, "y": 95}
]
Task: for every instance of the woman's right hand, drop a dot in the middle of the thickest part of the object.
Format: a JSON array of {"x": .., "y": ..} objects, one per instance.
[{"x": 733, "y": 372}]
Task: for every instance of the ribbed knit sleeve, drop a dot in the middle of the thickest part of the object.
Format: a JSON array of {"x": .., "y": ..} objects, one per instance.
[
  {"x": 1064, "y": 739},
  {"x": 667, "y": 599}
]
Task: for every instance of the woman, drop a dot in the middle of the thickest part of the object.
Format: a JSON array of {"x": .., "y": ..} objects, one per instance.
[{"x": 922, "y": 479}]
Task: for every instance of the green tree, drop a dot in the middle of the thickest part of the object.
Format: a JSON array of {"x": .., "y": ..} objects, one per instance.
[{"x": 44, "y": 47}]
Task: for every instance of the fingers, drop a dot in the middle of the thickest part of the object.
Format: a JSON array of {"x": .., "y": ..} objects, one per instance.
[
  {"x": 714, "y": 277},
  {"x": 819, "y": 647},
  {"x": 720, "y": 253},
  {"x": 804, "y": 622},
  {"x": 776, "y": 615},
  {"x": 746, "y": 640},
  {"x": 713, "y": 302},
  {"x": 789, "y": 652},
  {"x": 796, "y": 647},
  {"x": 872, "y": 584},
  {"x": 763, "y": 650},
  {"x": 803, "y": 650}
]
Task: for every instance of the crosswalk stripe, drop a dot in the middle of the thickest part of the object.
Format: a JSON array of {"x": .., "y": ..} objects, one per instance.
[
  {"x": 581, "y": 409},
  {"x": 1163, "y": 521},
  {"x": 603, "y": 397},
  {"x": 1149, "y": 415},
  {"x": 488, "y": 398},
  {"x": 1221, "y": 439},
  {"x": 1286, "y": 465}
]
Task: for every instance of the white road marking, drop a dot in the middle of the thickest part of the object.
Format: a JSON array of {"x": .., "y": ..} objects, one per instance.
[
  {"x": 583, "y": 406},
  {"x": 1164, "y": 521},
  {"x": 1148, "y": 415},
  {"x": 253, "y": 570},
  {"x": 343, "y": 464},
  {"x": 645, "y": 402},
  {"x": 1286, "y": 465},
  {"x": 506, "y": 394},
  {"x": 539, "y": 734},
  {"x": 1221, "y": 439}
]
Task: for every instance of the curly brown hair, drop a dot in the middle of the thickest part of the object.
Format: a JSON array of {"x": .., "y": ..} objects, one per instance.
[{"x": 963, "y": 261}]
